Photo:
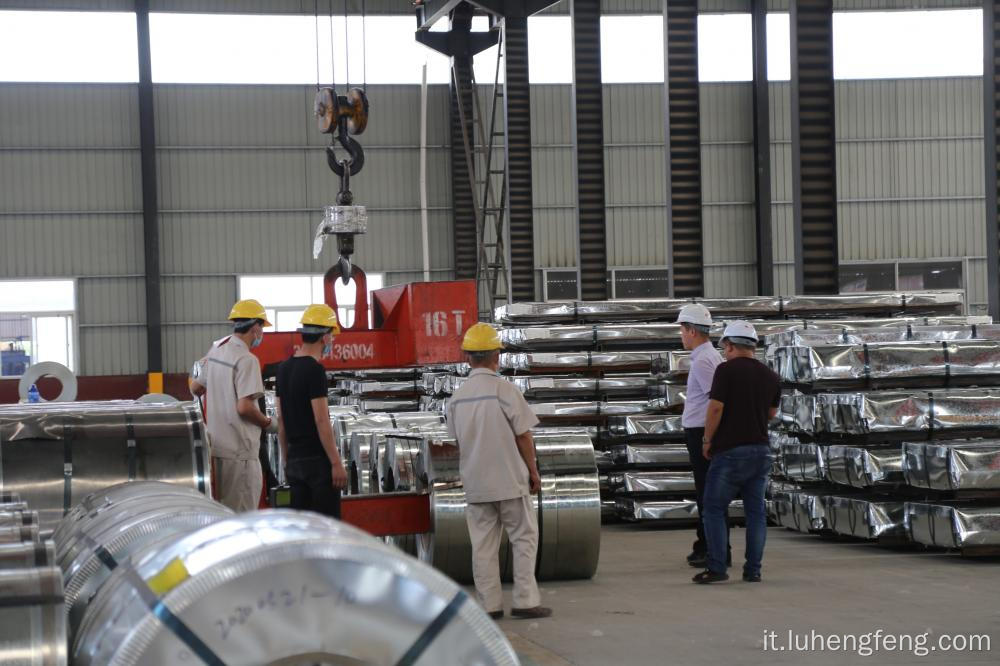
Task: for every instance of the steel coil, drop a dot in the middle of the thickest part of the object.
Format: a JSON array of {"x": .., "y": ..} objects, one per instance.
[
  {"x": 8, "y": 497},
  {"x": 569, "y": 511},
  {"x": 283, "y": 587},
  {"x": 32, "y": 622},
  {"x": 27, "y": 555},
  {"x": 18, "y": 517},
  {"x": 123, "y": 521},
  {"x": 53, "y": 454},
  {"x": 18, "y": 533}
]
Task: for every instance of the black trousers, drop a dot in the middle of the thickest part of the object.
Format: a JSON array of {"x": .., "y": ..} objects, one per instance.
[
  {"x": 699, "y": 465},
  {"x": 311, "y": 484}
]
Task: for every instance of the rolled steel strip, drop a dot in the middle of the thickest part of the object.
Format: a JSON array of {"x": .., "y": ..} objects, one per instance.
[
  {"x": 101, "y": 540},
  {"x": 18, "y": 517},
  {"x": 283, "y": 587},
  {"x": 27, "y": 555},
  {"x": 18, "y": 533},
  {"x": 32, "y": 621},
  {"x": 39, "y": 442}
]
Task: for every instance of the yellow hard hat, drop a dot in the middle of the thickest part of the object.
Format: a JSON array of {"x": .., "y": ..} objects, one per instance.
[
  {"x": 321, "y": 316},
  {"x": 249, "y": 309},
  {"x": 481, "y": 337}
]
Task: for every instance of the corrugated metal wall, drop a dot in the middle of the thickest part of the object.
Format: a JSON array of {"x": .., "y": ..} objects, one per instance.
[
  {"x": 70, "y": 206},
  {"x": 242, "y": 176}
]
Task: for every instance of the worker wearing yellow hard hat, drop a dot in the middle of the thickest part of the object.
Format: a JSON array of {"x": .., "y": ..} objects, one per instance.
[
  {"x": 492, "y": 422},
  {"x": 229, "y": 377},
  {"x": 313, "y": 468}
]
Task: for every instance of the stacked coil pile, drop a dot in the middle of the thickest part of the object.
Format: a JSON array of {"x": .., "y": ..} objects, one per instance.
[
  {"x": 880, "y": 443},
  {"x": 32, "y": 619}
]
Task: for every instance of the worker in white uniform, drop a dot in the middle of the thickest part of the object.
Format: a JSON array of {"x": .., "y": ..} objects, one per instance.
[
  {"x": 231, "y": 381},
  {"x": 492, "y": 422}
]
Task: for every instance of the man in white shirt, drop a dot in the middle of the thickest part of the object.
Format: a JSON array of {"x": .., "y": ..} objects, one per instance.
[
  {"x": 696, "y": 322},
  {"x": 492, "y": 422},
  {"x": 231, "y": 381}
]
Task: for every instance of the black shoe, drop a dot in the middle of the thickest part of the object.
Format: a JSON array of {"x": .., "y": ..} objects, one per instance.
[
  {"x": 497, "y": 615},
  {"x": 702, "y": 562},
  {"x": 531, "y": 613},
  {"x": 709, "y": 576},
  {"x": 751, "y": 578},
  {"x": 696, "y": 555}
]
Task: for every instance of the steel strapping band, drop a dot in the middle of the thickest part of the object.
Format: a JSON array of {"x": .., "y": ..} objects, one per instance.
[
  {"x": 947, "y": 363},
  {"x": 432, "y": 630},
  {"x": 67, "y": 466},
  {"x": 199, "y": 447},
  {"x": 172, "y": 622},
  {"x": 130, "y": 434}
]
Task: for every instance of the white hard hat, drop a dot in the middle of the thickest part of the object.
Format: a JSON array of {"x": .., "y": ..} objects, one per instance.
[
  {"x": 695, "y": 313},
  {"x": 741, "y": 329}
]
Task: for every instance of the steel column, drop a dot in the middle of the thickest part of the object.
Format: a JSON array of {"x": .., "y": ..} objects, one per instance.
[
  {"x": 150, "y": 215},
  {"x": 683, "y": 147},
  {"x": 518, "y": 145},
  {"x": 463, "y": 209},
  {"x": 762, "y": 150},
  {"x": 991, "y": 117},
  {"x": 814, "y": 167},
  {"x": 588, "y": 133}
]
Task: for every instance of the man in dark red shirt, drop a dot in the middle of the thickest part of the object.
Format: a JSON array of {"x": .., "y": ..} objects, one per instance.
[{"x": 744, "y": 397}]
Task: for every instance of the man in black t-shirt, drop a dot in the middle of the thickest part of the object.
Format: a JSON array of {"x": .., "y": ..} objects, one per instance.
[
  {"x": 313, "y": 466},
  {"x": 744, "y": 397}
]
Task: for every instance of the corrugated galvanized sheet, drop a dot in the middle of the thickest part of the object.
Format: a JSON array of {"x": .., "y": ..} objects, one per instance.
[
  {"x": 57, "y": 245},
  {"x": 112, "y": 350},
  {"x": 111, "y": 301},
  {"x": 183, "y": 345}
]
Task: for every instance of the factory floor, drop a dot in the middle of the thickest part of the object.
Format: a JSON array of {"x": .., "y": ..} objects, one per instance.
[{"x": 642, "y": 608}]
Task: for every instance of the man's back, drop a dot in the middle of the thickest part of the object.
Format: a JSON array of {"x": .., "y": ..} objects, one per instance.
[
  {"x": 300, "y": 380},
  {"x": 748, "y": 390},
  {"x": 231, "y": 372},
  {"x": 484, "y": 416}
]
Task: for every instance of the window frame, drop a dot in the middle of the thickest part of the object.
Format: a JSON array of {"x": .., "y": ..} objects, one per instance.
[{"x": 73, "y": 326}]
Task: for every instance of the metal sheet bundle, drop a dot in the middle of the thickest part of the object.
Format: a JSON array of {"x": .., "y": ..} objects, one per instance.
[
  {"x": 952, "y": 466},
  {"x": 803, "y": 461},
  {"x": 382, "y": 405},
  {"x": 32, "y": 619},
  {"x": 108, "y": 526},
  {"x": 547, "y": 388},
  {"x": 53, "y": 454},
  {"x": 383, "y": 389},
  {"x": 888, "y": 364},
  {"x": 569, "y": 509},
  {"x": 863, "y": 467},
  {"x": 574, "y": 362},
  {"x": 941, "y": 302},
  {"x": 953, "y": 525},
  {"x": 657, "y": 483},
  {"x": 670, "y": 511},
  {"x": 585, "y": 413},
  {"x": 646, "y": 427},
  {"x": 894, "y": 413},
  {"x": 865, "y": 518},
  {"x": 345, "y": 426},
  {"x": 800, "y": 511},
  {"x": 283, "y": 587},
  {"x": 969, "y": 328},
  {"x": 675, "y": 366},
  {"x": 650, "y": 455}
]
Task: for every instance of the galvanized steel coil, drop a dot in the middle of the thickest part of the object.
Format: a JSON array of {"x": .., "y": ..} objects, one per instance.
[
  {"x": 121, "y": 521},
  {"x": 53, "y": 454},
  {"x": 27, "y": 555},
  {"x": 283, "y": 587},
  {"x": 32, "y": 621}
]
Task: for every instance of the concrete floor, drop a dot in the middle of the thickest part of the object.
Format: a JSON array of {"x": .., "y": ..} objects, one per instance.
[{"x": 642, "y": 608}]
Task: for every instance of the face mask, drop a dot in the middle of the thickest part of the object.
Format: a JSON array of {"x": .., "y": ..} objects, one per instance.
[
  {"x": 327, "y": 350},
  {"x": 256, "y": 341}
]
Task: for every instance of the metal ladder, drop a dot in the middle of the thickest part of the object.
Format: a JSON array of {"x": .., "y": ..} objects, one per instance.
[{"x": 492, "y": 277}]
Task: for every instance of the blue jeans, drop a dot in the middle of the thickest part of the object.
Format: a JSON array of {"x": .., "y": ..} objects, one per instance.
[{"x": 742, "y": 470}]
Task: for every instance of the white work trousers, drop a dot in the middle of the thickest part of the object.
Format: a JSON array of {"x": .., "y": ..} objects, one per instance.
[
  {"x": 485, "y": 519},
  {"x": 238, "y": 483}
]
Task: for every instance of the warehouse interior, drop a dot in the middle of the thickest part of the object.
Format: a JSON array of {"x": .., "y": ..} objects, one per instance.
[{"x": 573, "y": 173}]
